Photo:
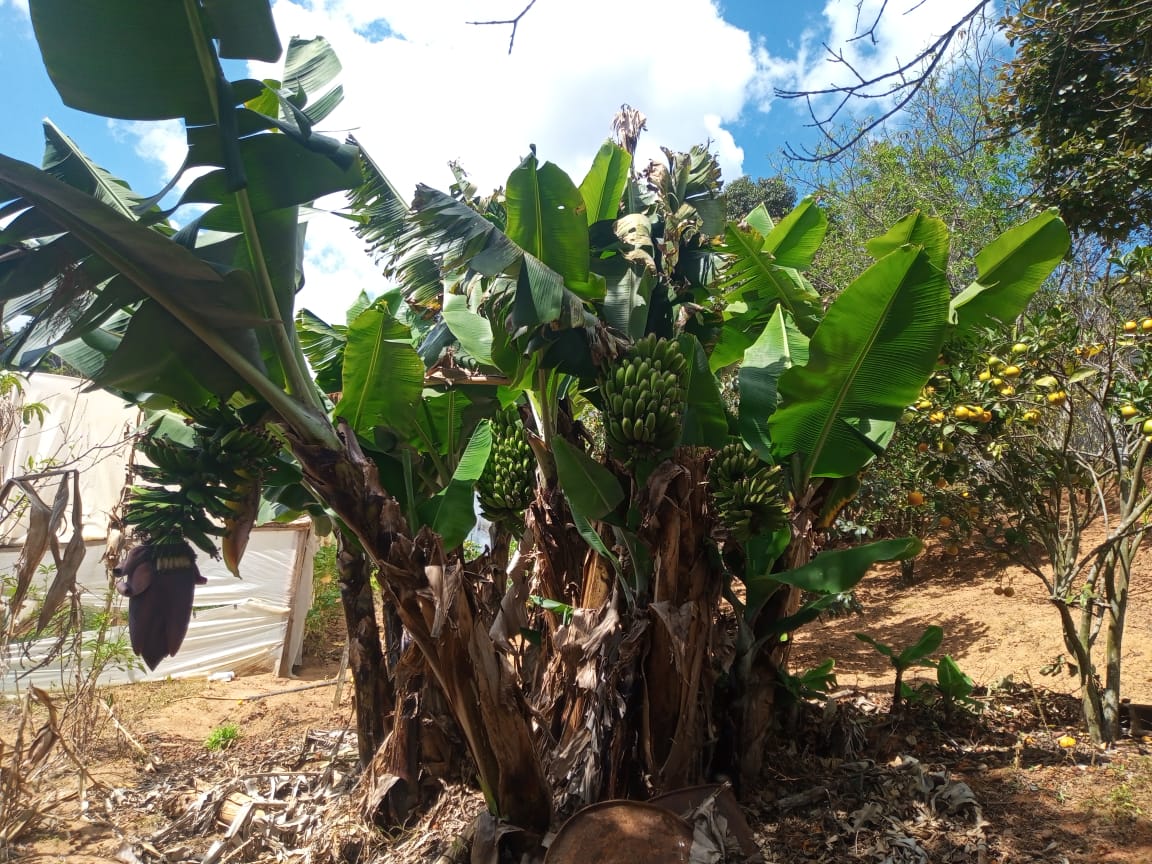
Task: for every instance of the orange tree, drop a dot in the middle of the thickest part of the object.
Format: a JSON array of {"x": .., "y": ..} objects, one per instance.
[
  {"x": 624, "y": 294},
  {"x": 1050, "y": 432}
]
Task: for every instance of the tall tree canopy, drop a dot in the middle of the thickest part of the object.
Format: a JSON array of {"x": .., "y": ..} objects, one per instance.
[
  {"x": 1078, "y": 90},
  {"x": 743, "y": 195}
]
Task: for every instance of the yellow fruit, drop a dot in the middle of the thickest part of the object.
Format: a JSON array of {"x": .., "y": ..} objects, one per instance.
[
  {"x": 1057, "y": 397},
  {"x": 1146, "y": 325},
  {"x": 1007, "y": 390},
  {"x": 1031, "y": 416},
  {"x": 1128, "y": 411},
  {"x": 1147, "y": 427},
  {"x": 1066, "y": 741},
  {"x": 995, "y": 363},
  {"x": 1010, "y": 371},
  {"x": 1020, "y": 348},
  {"x": 936, "y": 417},
  {"x": 945, "y": 521},
  {"x": 922, "y": 447},
  {"x": 961, "y": 412},
  {"x": 915, "y": 498},
  {"x": 923, "y": 404},
  {"x": 997, "y": 382},
  {"x": 985, "y": 375},
  {"x": 1130, "y": 326}
]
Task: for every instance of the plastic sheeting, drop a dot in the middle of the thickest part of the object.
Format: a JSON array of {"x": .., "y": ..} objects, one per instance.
[
  {"x": 88, "y": 431},
  {"x": 252, "y": 624}
]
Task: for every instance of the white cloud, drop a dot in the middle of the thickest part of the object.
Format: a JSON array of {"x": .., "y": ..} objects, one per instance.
[
  {"x": 161, "y": 141},
  {"x": 19, "y": 5},
  {"x": 422, "y": 87}
]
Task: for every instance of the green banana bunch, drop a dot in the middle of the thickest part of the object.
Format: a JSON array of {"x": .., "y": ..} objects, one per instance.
[
  {"x": 643, "y": 399},
  {"x": 508, "y": 483},
  {"x": 748, "y": 496},
  {"x": 208, "y": 489}
]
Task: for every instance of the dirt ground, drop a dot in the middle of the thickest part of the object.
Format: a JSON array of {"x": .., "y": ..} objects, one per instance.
[
  {"x": 1030, "y": 799},
  {"x": 991, "y": 636}
]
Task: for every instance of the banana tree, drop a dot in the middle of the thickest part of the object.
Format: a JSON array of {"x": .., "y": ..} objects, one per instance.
[
  {"x": 202, "y": 319},
  {"x": 554, "y": 347},
  {"x": 680, "y": 502}
]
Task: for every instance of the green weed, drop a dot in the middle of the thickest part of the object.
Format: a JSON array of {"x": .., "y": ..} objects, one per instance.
[{"x": 222, "y": 737}]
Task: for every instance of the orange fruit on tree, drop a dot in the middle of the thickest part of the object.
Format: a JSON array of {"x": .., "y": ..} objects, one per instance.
[
  {"x": 1130, "y": 326},
  {"x": 941, "y": 483},
  {"x": 945, "y": 521},
  {"x": 1057, "y": 397},
  {"x": 915, "y": 498}
]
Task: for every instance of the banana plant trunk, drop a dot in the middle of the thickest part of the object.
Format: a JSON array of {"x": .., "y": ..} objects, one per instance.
[
  {"x": 437, "y": 608},
  {"x": 758, "y": 690},
  {"x": 371, "y": 681},
  {"x": 677, "y": 672}
]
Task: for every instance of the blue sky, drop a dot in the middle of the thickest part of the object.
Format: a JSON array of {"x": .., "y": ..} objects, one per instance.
[{"x": 423, "y": 87}]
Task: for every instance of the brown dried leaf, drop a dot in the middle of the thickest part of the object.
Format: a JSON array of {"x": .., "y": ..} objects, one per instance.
[{"x": 67, "y": 564}]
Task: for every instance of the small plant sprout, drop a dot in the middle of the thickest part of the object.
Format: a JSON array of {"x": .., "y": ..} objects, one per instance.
[
  {"x": 222, "y": 737},
  {"x": 954, "y": 685},
  {"x": 813, "y": 683},
  {"x": 929, "y": 641}
]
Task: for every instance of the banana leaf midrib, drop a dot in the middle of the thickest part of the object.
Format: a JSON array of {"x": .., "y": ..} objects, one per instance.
[
  {"x": 754, "y": 259},
  {"x": 93, "y": 170},
  {"x": 849, "y": 379}
]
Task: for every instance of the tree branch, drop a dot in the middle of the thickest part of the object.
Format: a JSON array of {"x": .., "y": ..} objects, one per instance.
[
  {"x": 905, "y": 81},
  {"x": 515, "y": 22}
]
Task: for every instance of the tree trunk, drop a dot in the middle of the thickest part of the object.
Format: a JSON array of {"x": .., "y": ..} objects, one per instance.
[
  {"x": 372, "y": 684},
  {"x": 1077, "y": 641},
  {"x": 685, "y": 594},
  {"x": 758, "y": 678},
  {"x": 436, "y": 607}
]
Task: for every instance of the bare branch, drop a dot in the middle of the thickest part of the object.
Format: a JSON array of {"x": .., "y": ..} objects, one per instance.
[
  {"x": 905, "y": 81},
  {"x": 870, "y": 33},
  {"x": 515, "y": 22}
]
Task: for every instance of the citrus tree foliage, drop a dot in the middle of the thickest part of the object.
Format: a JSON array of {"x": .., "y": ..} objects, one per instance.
[
  {"x": 618, "y": 294},
  {"x": 743, "y": 195},
  {"x": 1077, "y": 90},
  {"x": 1026, "y": 446},
  {"x": 943, "y": 159}
]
